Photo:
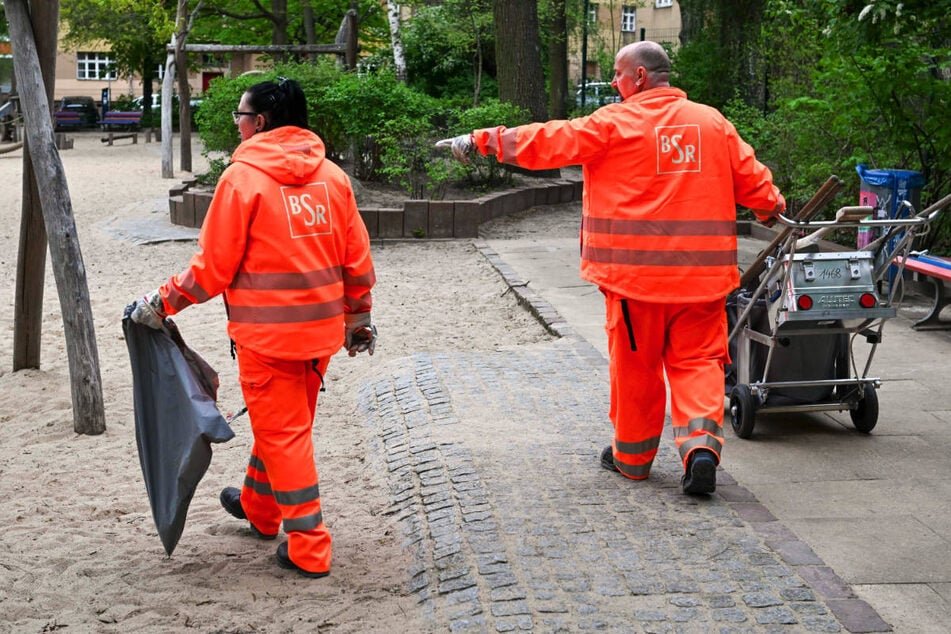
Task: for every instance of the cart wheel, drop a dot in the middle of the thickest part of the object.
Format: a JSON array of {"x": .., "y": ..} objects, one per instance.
[
  {"x": 865, "y": 415},
  {"x": 742, "y": 411}
]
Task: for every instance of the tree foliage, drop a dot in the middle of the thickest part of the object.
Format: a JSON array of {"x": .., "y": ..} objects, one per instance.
[
  {"x": 136, "y": 31},
  {"x": 450, "y": 49},
  {"x": 843, "y": 82},
  {"x": 282, "y": 21}
]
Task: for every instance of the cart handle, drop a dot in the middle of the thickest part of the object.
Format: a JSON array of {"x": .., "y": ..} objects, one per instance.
[
  {"x": 859, "y": 217},
  {"x": 843, "y": 215}
]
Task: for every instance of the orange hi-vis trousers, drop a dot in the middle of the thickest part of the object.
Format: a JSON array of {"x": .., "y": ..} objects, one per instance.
[
  {"x": 689, "y": 342},
  {"x": 281, "y": 480}
]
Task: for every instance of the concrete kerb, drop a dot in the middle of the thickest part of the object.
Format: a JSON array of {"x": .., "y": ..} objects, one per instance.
[
  {"x": 461, "y": 218},
  {"x": 417, "y": 218},
  {"x": 534, "y": 303}
]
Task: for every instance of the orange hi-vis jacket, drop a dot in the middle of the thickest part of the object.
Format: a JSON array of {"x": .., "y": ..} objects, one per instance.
[
  {"x": 284, "y": 242},
  {"x": 662, "y": 178}
]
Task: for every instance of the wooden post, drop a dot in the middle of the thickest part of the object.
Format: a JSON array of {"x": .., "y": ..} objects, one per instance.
[
  {"x": 68, "y": 269},
  {"x": 352, "y": 47},
  {"x": 31, "y": 258},
  {"x": 168, "y": 81}
]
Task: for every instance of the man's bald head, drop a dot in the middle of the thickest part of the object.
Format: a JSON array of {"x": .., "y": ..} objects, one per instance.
[
  {"x": 650, "y": 55},
  {"x": 641, "y": 66}
]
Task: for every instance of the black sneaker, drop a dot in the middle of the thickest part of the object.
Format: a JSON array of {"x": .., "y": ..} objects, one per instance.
[
  {"x": 284, "y": 561},
  {"x": 701, "y": 475},
  {"x": 607, "y": 459},
  {"x": 231, "y": 501}
]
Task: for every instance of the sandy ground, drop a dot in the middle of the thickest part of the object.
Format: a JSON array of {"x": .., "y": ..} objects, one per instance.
[{"x": 78, "y": 548}]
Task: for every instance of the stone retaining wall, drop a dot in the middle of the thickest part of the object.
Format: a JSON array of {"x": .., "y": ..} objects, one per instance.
[{"x": 417, "y": 218}]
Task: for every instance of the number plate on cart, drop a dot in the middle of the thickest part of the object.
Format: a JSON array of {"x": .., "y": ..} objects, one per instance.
[{"x": 830, "y": 286}]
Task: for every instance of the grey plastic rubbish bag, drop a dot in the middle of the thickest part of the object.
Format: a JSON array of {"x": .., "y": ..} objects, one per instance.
[{"x": 176, "y": 420}]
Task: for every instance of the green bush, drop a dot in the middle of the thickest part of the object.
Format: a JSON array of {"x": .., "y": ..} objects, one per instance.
[
  {"x": 385, "y": 128},
  {"x": 361, "y": 112},
  {"x": 123, "y": 103},
  {"x": 486, "y": 172},
  {"x": 217, "y": 129}
]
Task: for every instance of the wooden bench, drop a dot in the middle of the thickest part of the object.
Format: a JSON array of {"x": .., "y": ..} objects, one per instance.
[
  {"x": 67, "y": 119},
  {"x": 928, "y": 276},
  {"x": 126, "y": 122}
]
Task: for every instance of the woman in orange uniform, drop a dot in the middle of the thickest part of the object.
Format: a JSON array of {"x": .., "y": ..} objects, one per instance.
[
  {"x": 284, "y": 242},
  {"x": 662, "y": 179}
]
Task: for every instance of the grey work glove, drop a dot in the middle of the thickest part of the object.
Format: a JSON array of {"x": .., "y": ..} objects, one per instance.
[
  {"x": 149, "y": 311},
  {"x": 462, "y": 146},
  {"x": 360, "y": 333}
]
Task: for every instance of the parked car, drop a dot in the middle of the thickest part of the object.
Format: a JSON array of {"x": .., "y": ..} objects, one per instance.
[
  {"x": 85, "y": 106},
  {"x": 157, "y": 107},
  {"x": 597, "y": 93},
  {"x": 157, "y": 102}
]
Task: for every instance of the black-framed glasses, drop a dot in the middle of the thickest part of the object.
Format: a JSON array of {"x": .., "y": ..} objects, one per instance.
[{"x": 236, "y": 114}]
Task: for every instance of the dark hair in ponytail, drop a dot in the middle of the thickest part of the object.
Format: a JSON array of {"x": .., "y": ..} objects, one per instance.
[{"x": 281, "y": 103}]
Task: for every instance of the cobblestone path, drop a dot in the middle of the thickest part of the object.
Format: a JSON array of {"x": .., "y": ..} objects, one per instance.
[{"x": 492, "y": 462}]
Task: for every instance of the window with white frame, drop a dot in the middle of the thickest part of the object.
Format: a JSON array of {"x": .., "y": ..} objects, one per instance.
[
  {"x": 593, "y": 13},
  {"x": 628, "y": 19},
  {"x": 95, "y": 66},
  {"x": 662, "y": 4}
]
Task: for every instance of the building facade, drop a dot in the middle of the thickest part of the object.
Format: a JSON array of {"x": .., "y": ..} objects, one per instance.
[
  {"x": 613, "y": 24},
  {"x": 89, "y": 70}
]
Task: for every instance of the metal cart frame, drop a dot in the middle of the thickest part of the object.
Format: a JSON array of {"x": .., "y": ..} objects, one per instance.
[{"x": 837, "y": 296}]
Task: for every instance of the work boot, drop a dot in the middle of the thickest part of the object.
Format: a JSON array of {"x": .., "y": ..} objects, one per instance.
[
  {"x": 231, "y": 501},
  {"x": 701, "y": 474},
  {"x": 284, "y": 561},
  {"x": 607, "y": 459}
]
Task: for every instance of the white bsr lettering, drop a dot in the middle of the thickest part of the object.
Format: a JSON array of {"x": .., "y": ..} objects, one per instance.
[
  {"x": 316, "y": 213},
  {"x": 685, "y": 154}
]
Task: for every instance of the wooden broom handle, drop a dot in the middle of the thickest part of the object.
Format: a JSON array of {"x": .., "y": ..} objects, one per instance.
[{"x": 819, "y": 200}]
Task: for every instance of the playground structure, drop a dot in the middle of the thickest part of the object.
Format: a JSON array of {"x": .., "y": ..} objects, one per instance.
[{"x": 11, "y": 126}]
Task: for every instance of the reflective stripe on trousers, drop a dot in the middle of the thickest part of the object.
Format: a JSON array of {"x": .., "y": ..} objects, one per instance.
[
  {"x": 689, "y": 342},
  {"x": 281, "y": 482}
]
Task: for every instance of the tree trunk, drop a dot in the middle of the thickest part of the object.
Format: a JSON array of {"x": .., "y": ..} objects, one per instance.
[
  {"x": 740, "y": 24},
  {"x": 278, "y": 22},
  {"x": 309, "y": 27},
  {"x": 183, "y": 24},
  {"x": 518, "y": 55},
  {"x": 31, "y": 261},
  {"x": 68, "y": 269},
  {"x": 184, "y": 106},
  {"x": 558, "y": 61},
  {"x": 692, "y": 18},
  {"x": 396, "y": 39}
]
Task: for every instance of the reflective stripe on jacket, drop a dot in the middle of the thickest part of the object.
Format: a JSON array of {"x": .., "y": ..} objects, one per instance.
[
  {"x": 285, "y": 243},
  {"x": 662, "y": 178}
]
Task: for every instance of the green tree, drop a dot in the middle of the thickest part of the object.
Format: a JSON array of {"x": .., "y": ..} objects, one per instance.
[
  {"x": 850, "y": 82},
  {"x": 284, "y": 21},
  {"x": 450, "y": 49},
  {"x": 722, "y": 54},
  {"x": 137, "y": 32}
]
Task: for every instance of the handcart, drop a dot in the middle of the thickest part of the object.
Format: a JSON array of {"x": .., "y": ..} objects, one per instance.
[{"x": 794, "y": 328}]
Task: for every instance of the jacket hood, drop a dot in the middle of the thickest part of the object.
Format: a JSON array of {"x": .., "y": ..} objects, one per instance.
[{"x": 289, "y": 155}]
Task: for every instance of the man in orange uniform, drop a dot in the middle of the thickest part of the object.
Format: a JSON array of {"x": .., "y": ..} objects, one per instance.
[
  {"x": 663, "y": 176},
  {"x": 284, "y": 242}
]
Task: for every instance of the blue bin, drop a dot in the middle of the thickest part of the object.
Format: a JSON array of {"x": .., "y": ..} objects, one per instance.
[{"x": 885, "y": 190}]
